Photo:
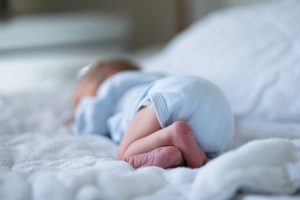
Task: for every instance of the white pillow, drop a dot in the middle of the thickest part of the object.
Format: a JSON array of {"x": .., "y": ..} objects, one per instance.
[{"x": 251, "y": 53}]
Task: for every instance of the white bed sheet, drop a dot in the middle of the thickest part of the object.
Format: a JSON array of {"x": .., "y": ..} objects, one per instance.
[{"x": 40, "y": 159}]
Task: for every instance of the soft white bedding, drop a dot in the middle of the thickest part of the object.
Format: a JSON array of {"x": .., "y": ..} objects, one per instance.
[{"x": 40, "y": 159}]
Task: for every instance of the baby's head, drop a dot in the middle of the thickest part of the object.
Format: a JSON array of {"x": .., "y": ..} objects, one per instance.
[{"x": 89, "y": 83}]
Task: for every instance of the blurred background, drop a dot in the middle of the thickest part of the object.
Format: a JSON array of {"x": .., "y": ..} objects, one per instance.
[{"x": 44, "y": 42}]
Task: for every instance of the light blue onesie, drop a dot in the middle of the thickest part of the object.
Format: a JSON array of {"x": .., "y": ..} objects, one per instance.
[{"x": 189, "y": 98}]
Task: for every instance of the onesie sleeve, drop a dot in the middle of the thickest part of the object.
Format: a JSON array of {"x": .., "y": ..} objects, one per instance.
[
  {"x": 90, "y": 118},
  {"x": 92, "y": 113}
]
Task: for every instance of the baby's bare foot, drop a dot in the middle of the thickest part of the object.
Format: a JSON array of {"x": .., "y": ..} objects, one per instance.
[
  {"x": 165, "y": 157},
  {"x": 183, "y": 137}
]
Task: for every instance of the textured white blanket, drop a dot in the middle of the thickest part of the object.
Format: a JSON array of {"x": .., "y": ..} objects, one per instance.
[{"x": 40, "y": 159}]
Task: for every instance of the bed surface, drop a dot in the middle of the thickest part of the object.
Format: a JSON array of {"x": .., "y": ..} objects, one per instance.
[{"x": 41, "y": 159}]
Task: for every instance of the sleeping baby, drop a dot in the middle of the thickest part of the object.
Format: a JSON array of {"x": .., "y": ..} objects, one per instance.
[{"x": 164, "y": 121}]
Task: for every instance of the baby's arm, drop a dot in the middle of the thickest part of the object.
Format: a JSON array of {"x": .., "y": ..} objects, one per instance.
[{"x": 146, "y": 143}]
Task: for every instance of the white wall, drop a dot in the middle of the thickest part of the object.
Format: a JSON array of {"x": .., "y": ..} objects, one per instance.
[
  {"x": 241, "y": 2},
  {"x": 155, "y": 21},
  {"x": 200, "y": 8}
]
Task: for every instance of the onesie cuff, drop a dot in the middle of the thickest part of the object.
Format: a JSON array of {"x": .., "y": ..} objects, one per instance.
[{"x": 160, "y": 108}]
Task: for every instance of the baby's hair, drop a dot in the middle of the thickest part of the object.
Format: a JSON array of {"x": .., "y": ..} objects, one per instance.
[
  {"x": 97, "y": 73},
  {"x": 118, "y": 64}
]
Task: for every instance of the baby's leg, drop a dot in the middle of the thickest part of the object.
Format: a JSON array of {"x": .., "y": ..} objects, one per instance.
[
  {"x": 140, "y": 140},
  {"x": 143, "y": 124}
]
